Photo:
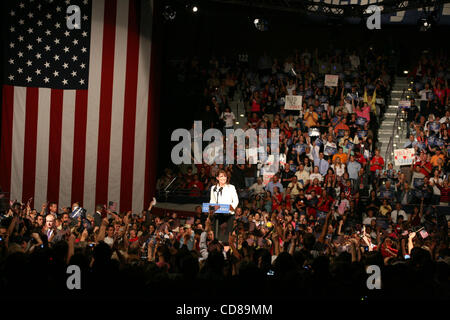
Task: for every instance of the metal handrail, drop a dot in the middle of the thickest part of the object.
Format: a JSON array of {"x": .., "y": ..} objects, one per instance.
[
  {"x": 170, "y": 183},
  {"x": 395, "y": 130}
]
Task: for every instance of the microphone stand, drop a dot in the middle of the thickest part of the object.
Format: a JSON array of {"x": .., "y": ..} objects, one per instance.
[{"x": 215, "y": 214}]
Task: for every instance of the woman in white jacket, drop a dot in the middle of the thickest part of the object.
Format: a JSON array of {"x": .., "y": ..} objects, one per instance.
[{"x": 224, "y": 193}]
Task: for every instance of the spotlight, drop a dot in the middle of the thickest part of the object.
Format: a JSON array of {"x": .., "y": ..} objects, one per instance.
[
  {"x": 405, "y": 71},
  {"x": 261, "y": 24},
  {"x": 194, "y": 9},
  {"x": 169, "y": 13},
  {"x": 426, "y": 23}
]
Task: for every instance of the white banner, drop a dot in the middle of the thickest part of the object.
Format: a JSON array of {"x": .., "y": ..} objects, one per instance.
[
  {"x": 293, "y": 103},
  {"x": 331, "y": 80},
  {"x": 404, "y": 156},
  {"x": 404, "y": 104},
  {"x": 267, "y": 176}
]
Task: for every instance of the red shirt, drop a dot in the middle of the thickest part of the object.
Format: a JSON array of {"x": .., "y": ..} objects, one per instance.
[
  {"x": 440, "y": 94},
  {"x": 287, "y": 133},
  {"x": 325, "y": 206},
  {"x": 316, "y": 188},
  {"x": 361, "y": 159},
  {"x": 376, "y": 163},
  {"x": 445, "y": 194},
  {"x": 423, "y": 165},
  {"x": 275, "y": 205},
  {"x": 196, "y": 187},
  {"x": 256, "y": 107},
  {"x": 287, "y": 203},
  {"x": 386, "y": 253}
]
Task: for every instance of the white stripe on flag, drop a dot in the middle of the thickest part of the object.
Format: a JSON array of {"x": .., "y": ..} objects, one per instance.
[
  {"x": 93, "y": 109},
  {"x": 42, "y": 148},
  {"x": 142, "y": 107},
  {"x": 67, "y": 135},
  {"x": 18, "y": 142},
  {"x": 118, "y": 97}
]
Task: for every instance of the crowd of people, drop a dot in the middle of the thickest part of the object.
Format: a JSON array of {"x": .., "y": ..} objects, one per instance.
[{"x": 309, "y": 230}]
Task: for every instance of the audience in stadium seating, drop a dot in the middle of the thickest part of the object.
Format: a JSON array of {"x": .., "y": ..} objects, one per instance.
[{"x": 334, "y": 207}]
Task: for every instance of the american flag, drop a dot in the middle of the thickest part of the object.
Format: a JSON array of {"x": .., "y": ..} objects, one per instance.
[{"x": 78, "y": 109}]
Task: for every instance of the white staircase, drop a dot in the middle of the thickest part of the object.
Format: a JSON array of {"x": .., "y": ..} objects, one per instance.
[
  {"x": 386, "y": 130},
  {"x": 238, "y": 108}
]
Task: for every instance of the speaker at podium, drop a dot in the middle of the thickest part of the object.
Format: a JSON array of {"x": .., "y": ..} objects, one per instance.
[{"x": 222, "y": 219}]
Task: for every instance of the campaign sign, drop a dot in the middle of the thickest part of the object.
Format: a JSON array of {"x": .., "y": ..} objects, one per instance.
[
  {"x": 314, "y": 132},
  {"x": 301, "y": 148},
  {"x": 267, "y": 176},
  {"x": 418, "y": 183},
  {"x": 330, "y": 150},
  {"x": 385, "y": 194},
  {"x": 331, "y": 80},
  {"x": 422, "y": 145},
  {"x": 361, "y": 121},
  {"x": 222, "y": 208},
  {"x": 405, "y": 104},
  {"x": 432, "y": 140},
  {"x": 439, "y": 143},
  {"x": 404, "y": 156},
  {"x": 319, "y": 142},
  {"x": 350, "y": 145},
  {"x": 293, "y": 103},
  {"x": 362, "y": 133},
  {"x": 434, "y": 126}
]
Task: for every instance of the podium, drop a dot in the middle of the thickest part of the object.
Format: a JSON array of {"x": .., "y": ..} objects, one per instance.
[{"x": 221, "y": 213}]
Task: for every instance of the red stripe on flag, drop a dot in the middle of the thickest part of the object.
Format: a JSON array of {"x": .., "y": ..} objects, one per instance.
[
  {"x": 54, "y": 152},
  {"x": 129, "y": 115},
  {"x": 104, "y": 126},
  {"x": 29, "y": 160},
  {"x": 6, "y": 143},
  {"x": 153, "y": 107},
  {"x": 79, "y": 145}
]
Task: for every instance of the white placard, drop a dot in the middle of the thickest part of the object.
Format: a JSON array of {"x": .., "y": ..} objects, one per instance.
[
  {"x": 267, "y": 176},
  {"x": 331, "y": 80},
  {"x": 404, "y": 104},
  {"x": 404, "y": 156},
  {"x": 293, "y": 103}
]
